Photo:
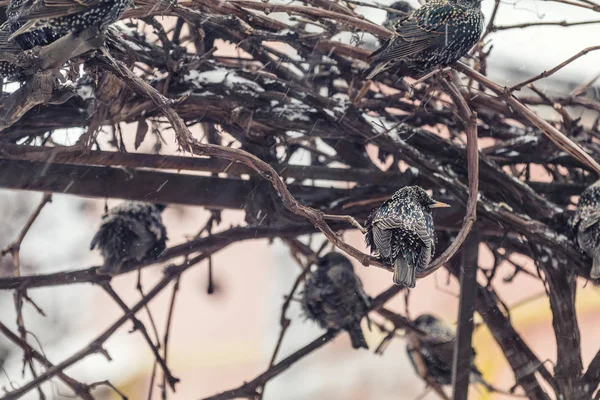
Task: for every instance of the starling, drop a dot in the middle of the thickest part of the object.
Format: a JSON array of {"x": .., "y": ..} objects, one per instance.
[
  {"x": 401, "y": 231},
  {"x": 8, "y": 54},
  {"x": 393, "y": 18},
  {"x": 436, "y": 35},
  {"x": 437, "y": 350},
  {"x": 41, "y": 22},
  {"x": 586, "y": 226},
  {"x": 334, "y": 297},
  {"x": 131, "y": 231}
]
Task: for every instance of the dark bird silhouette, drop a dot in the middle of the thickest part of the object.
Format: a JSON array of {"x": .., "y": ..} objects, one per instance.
[
  {"x": 586, "y": 226},
  {"x": 401, "y": 231},
  {"x": 130, "y": 232},
  {"x": 437, "y": 350},
  {"x": 393, "y": 18},
  {"x": 436, "y": 35},
  {"x": 41, "y": 22},
  {"x": 333, "y": 296}
]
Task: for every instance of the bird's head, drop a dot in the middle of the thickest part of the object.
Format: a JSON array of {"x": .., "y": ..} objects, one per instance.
[
  {"x": 402, "y": 6},
  {"x": 420, "y": 196},
  {"x": 426, "y": 320},
  {"x": 393, "y": 18},
  {"x": 432, "y": 325},
  {"x": 469, "y": 3},
  {"x": 334, "y": 259}
]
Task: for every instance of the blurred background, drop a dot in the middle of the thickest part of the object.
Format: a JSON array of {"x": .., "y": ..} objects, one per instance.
[{"x": 220, "y": 340}]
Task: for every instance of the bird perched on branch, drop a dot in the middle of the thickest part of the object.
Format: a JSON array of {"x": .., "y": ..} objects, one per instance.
[
  {"x": 131, "y": 231},
  {"x": 41, "y": 22},
  {"x": 393, "y": 18},
  {"x": 401, "y": 231},
  {"x": 436, "y": 35},
  {"x": 586, "y": 226},
  {"x": 334, "y": 297},
  {"x": 437, "y": 350}
]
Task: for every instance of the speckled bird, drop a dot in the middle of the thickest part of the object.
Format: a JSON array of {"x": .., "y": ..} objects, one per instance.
[
  {"x": 586, "y": 226},
  {"x": 41, "y": 22},
  {"x": 131, "y": 231},
  {"x": 401, "y": 232},
  {"x": 436, "y": 35},
  {"x": 8, "y": 54},
  {"x": 437, "y": 351},
  {"x": 392, "y": 19},
  {"x": 333, "y": 297}
]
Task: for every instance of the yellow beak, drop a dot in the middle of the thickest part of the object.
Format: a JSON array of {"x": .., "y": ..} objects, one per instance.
[{"x": 439, "y": 204}]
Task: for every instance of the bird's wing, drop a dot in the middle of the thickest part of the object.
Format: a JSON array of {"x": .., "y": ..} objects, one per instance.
[
  {"x": 382, "y": 238},
  {"x": 8, "y": 50},
  {"x": 361, "y": 302},
  {"x": 416, "y": 33},
  {"x": 440, "y": 348},
  {"x": 428, "y": 249},
  {"x": 364, "y": 299},
  {"x": 421, "y": 225},
  {"x": 53, "y": 9},
  {"x": 369, "y": 235},
  {"x": 315, "y": 295}
]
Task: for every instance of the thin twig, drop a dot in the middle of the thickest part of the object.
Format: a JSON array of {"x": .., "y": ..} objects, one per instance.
[
  {"x": 96, "y": 344},
  {"x": 15, "y": 247},
  {"x": 79, "y": 388},
  {"x": 283, "y": 320},
  {"x": 168, "y": 331},
  {"x": 563, "y": 23},
  {"x": 250, "y": 389},
  {"x": 551, "y": 71},
  {"x": 142, "y": 328},
  {"x": 551, "y": 132}
]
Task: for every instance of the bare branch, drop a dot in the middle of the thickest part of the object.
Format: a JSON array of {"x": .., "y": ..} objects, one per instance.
[
  {"x": 250, "y": 389},
  {"x": 551, "y": 71},
  {"x": 79, "y": 388},
  {"x": 15, "y": 247}
]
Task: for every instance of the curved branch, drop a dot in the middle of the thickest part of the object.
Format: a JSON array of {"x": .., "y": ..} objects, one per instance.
[{"x": 473, "y": 170}]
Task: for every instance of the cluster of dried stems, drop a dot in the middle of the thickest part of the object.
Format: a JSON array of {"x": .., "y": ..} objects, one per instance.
[{"x": 292, "y": 87}]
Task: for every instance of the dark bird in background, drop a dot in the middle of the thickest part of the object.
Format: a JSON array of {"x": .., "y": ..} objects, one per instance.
[
  {"x": 436, "y": 35},
  {"x": 401, "y": 231},
  {"x": 586, "y": 226},
  {"x": 334, "y": 297},
  {"x": 131, "y": 231},
  {"x": 393, "y": 18},
  {"x": 437, "y": 350},
  {"x": 41, "y": 22}
]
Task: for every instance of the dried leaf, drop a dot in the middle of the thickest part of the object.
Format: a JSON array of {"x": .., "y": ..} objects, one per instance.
[{"x": 140, "y": 134}]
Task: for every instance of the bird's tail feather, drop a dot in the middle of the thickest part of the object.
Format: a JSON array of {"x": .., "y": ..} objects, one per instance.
[
  {"x": 357, "y": 338},
  {"x": 595, "y": 272},
  {"x": 404, "y": 273},
  {"x": 374, "y": 69}
]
